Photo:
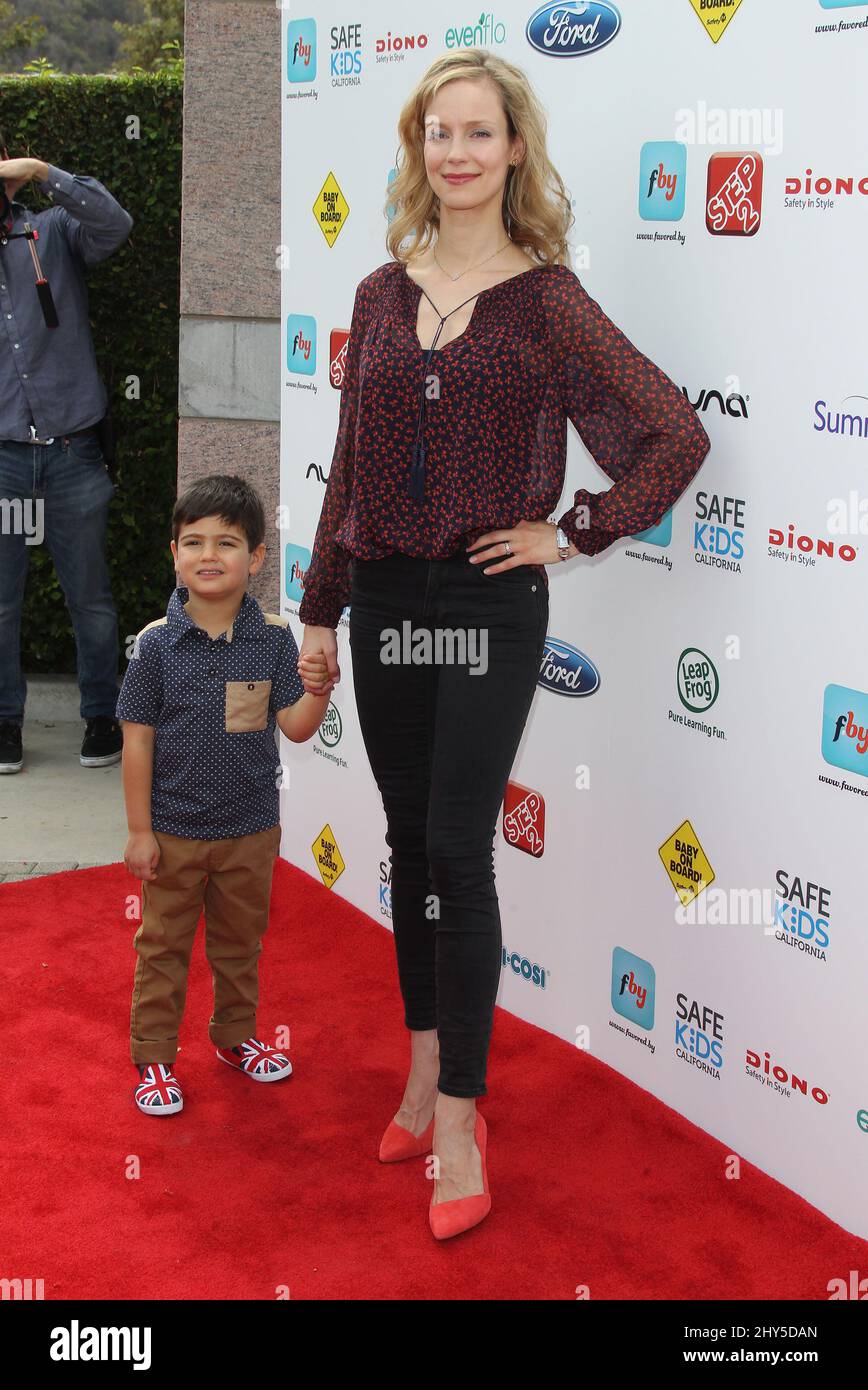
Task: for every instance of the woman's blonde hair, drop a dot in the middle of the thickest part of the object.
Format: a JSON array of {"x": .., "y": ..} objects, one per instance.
[{"x": 536, "y": 210}]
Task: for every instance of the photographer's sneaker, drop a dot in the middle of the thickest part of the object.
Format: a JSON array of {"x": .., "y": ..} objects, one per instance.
[
  {"x": 11, "y": 755},
  {"x": 257, "y": 1059},
  {"x": 103, "y": 742},
  {"x": 158, "y": 1092}
]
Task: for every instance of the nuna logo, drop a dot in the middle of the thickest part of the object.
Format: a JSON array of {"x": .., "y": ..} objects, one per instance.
[
  {"x": 572, "y": 28},
  {"x": 733, "y": 404}
]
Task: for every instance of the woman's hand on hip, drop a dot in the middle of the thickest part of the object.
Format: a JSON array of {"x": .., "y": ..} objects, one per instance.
[{"x": 530, "y": 543}]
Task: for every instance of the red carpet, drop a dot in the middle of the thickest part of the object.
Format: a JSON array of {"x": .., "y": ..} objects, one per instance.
[{"x": 254, "y": 1187}]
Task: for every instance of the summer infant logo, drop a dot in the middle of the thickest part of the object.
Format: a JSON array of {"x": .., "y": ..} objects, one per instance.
[{"x": 439, "y": 646}]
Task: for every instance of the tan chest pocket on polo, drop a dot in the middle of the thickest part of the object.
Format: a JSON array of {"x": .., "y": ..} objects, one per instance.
[{"x": 246, "y": 706}]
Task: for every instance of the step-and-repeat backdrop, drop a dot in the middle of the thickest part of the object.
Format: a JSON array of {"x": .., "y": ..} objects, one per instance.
[{"x": 680, "y": 854}]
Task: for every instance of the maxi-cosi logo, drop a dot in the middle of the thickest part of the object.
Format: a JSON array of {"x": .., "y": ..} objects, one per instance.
[
  {"x": 77, "y": 1343},
  {"x": 566, "y": 670},
  {"x": 529, "y": 971},
  {"x": 572, "y": 28}
]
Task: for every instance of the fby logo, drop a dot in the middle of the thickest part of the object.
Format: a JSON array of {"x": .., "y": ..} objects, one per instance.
[
  {"x": 662, "y": 176},
  {"x": 734, "y": 194},
  {"x": 845, "y": 728},
  {"x": 301, "y": 50},
  {"x": 633, "y": 987},
  {"x": 295, "y": 562},
  {"x": 661, "y": 534},
  {"x": 301, "y": 344}
]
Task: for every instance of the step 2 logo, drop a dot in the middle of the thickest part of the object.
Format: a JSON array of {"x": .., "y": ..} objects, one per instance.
[
  {"x": 686, "y": 864},
  {"x": 295, "y": 562},
  {"x": 301, "y": 50},
  {"x": 662, "y": 176},
  {"x": 715, "y": 15},
  {"x": 524, "y": 819},
  {"x": 338, "y": 339},
  {"x": 301, "y": 344},
  {"x": 571, "y": 29},
  {"x": 734, "y": 194},
  {"x": 845, "y": 728},
  {"x": 633, "y": 987}
]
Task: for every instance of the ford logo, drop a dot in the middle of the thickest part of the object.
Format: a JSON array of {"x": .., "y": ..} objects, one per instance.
[
  {"x": 566, "y": 670},
  {"x": 572, "y": 28}
]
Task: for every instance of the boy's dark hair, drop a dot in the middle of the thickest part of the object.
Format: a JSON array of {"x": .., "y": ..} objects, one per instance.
[{"x": 232, "y": 499}]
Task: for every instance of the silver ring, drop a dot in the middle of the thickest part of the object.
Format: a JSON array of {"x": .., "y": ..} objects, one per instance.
[{"x": 508, "y": 551}]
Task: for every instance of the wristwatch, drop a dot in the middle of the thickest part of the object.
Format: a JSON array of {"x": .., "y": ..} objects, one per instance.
[{"x": 562, "y": 544}]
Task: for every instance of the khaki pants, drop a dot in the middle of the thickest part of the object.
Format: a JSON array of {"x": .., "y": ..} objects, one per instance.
[{"x": 232, "y": 880}]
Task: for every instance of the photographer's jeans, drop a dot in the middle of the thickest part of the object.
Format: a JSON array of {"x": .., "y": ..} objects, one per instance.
[
  {"x": 69, "y": 479},
  {"x": 441, "y": 740}
]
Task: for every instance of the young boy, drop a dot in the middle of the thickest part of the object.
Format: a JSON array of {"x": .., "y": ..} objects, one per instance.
[{"x": 198, "y": 707}]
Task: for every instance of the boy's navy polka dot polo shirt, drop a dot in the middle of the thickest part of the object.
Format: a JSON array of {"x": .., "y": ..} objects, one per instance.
[
  {"x": 212, "y": 702},
  {"x": 491, "y": 448}
]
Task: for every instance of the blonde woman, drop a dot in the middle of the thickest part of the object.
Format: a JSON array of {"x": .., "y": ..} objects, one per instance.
[{"x": 467, "y": 352}]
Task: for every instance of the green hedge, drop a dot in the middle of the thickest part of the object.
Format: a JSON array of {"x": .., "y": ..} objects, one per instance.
[{"x": 80, "y": 123}]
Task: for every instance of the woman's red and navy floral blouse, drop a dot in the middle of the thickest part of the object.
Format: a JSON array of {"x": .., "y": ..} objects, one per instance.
[{"x": 436, "y": 448}]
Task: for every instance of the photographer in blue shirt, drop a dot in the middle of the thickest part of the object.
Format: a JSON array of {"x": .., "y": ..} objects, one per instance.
[{"x": 54, "y": 483}]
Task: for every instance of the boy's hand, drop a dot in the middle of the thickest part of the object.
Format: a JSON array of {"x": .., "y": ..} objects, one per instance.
[
  {"x": 142, "y": 855},
  {"x": 313, "y": 669}
]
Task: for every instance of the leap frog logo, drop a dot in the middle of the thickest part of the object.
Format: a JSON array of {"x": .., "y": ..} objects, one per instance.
[
  {"x": 715, "y": 15},
  {"x": 685, "y": 862},
  {"x": 331, "y": 209},
  {"x": 633, "y": 987},
  {"x": 327, "y": 855}
]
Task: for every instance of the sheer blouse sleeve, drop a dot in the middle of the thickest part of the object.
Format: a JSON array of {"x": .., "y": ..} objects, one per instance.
[
  {"x": 327, "y": 579},
  {"x": 637, "y": 425}
]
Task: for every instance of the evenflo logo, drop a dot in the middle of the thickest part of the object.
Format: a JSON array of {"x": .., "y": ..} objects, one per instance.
[
  {"x": 734, "y": 194},
  {"x": 845, "y": 728},
  {"x": 301, "y": 50},
  {"x": 633, "y": 987},
  {"x": 572, "y": 28}
]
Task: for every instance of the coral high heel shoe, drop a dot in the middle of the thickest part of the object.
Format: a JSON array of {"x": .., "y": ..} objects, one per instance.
[
  {"x": 451, "y": 1218},
  {"x": 398, "y": 1142}
]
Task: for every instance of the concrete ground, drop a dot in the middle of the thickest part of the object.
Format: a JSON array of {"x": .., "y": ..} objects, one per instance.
[{"x": 54, "y": 813}]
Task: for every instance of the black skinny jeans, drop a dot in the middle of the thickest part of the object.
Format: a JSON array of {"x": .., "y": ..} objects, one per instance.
[{"x": 441, "y": 738}]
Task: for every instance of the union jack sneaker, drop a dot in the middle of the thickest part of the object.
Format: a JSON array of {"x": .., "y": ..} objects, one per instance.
[
  {"x": 158, "y": 1092},
  {"x": 257, "y": 1059}
]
